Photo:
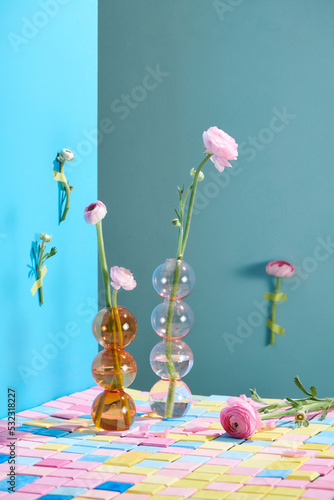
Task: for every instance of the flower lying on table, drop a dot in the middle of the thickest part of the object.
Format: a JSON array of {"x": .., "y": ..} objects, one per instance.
[
  {"x": 241, "y": 419},
  {"x": 279, "y": 269}
]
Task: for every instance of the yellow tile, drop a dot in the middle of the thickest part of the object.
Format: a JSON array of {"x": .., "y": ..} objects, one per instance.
[
  {"x": 282, "y": 465},
  {"x": 128, "y": 459},
  {"x": 138, "y": 394},
  {"x": 40, "y": 423},
  {"x": 202, "y": 476},
  {"x": 233, "y": 478},
  {"x": 300, "y": 460},
  {"x": 108, "y": 439},
  {"x": 146, "y": 471},
  {"x": 285, "y": 443},
  {"x": 247, "y": 448},
  {"x": 52, "y": 446},
  {"x": 188, "y": 483},
  {"x": 213, "y": 469},
  {"x": 246, "y": 496},
  {"x": 254, "y": 488},
  {"x": 111, "y": 469},
  {"x": 149, "y": 489},
  {"x": 326, "y": 454},
  {"x": 314, "y": 446},
  {"x": 303, "y": 475},
  {"x": 83, "y": 421},
  {"x": 206, "y": 495},
  {"x": 287, "y": 492},
  {"x": 311, "y": 430},
  {"x": 209, "y": 403},
  {"x": 216, "y": 445},
  {"x": 156, "y": 479},
  {"x": 168, "y": 457},
  {"x": 266, "y": 436},
  {"x": 216, "y": 426}
]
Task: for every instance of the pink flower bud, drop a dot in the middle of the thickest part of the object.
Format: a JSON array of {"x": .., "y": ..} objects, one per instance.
[
  {"x": 122, "y": 278},
  {"x": 280, "y": 269},
  {"x": 240, "y": 419},
  {"x": 95, "y": 212},
  {"x": 222, "y": 147}
]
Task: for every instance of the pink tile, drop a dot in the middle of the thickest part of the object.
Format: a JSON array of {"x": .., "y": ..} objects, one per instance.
[
  {"x": 53, "y": 462},
  {"x": 71, "y": 457},
  {"x": 188, "y": 466},
  {"x": 5, "y": 467},
  {"x": 264, "y": 481},
  {"x": 83, "y": 408},
  {"x": 35, "y": 470},
  {"x": 293, "y": 437},
  {"x": 321, "y": 494},
  {"x": 26, "y": 452},
  {"x": 292, "y": 483},
  {"x": 25, "y": 443},
  {"x": 67, "y": 427},
  {"x": 109, "y": 452},
  {"x": 217, "y": 486},
  {"x": 321, "y": 484},
  {"x": 205, "y": 453},
  {"x": 38, "y": 489},
  {"x": 23, "y": 496},
  {"x": 178, "y": 450},
  {"x": 70, "y": 473},
  {"x": 229, "y": 462},
  {"x": 321, "y": 461},
  {"x": 73, "y": 401},
  {"x": 67, "y": 414},
  {"x": 330, "y": 476},
  {"x": 136, "y": 441},
  {"x": 39, "y": 439},
  {"x": 185, "y": 492},
  {"x": 52, "y": 481},
  {"x": 247, "y": 471},
  {"x": 57, "y": 404},
  {"x": 104, "y": 476},
  {"x": 173, "y": 473},
  {"x": 84, "y": 483},
  {"x": 129, "y": 478},
  {"x": 82, "y": 465},
  {"x": 31, "y": 415},
  {"x": 322, "y": 469},
  {"x": 102, "y": 494},
  {"x": 163, "y": 442}
]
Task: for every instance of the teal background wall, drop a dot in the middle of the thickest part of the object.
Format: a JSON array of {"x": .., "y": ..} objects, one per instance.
[
  {"x": 49, "y": 94},
  {"x": 263, "y": 72}
]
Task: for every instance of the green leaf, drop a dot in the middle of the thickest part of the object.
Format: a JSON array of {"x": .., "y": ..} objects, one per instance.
[
  {"x": 256, "y": 397},
  {"x": 177, "y": 213},
  {"x": 314, "y": 391},
  {"x": 300, "y": 386},
  {"x": 294, "y": 404},
  {"x": 324, "y": 414}
]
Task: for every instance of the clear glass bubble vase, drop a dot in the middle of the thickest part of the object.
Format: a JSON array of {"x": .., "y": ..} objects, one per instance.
[
  {"x": 114, "y": 369},
  {"x": 171, "y": 359}
]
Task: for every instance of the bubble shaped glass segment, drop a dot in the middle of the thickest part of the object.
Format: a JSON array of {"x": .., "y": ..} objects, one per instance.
[
  {"x": 105, "y": 327},
  {"x": 158, "y": 398},
  {"x": 182, "y": 319},
  {"x": 110, "y": 409},
  {"x": 105, "y": 368},
  {"x": 163, "y": 279},
  {"x": 182, "y": 358}
]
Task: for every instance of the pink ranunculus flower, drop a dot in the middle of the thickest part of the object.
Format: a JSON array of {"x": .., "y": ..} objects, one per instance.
[
  {"x": 280, "y": 269},
  {"x": 122, "y": 278},
  {"x": 95, "y": 212},
  {"x": 239, "y": 418},
  {"x": 222, "y": 146}
]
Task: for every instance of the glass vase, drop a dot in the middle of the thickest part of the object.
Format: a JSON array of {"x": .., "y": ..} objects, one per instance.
[
  {"x": 114, "y": 369},
  {"x": 171, "y": 359}
]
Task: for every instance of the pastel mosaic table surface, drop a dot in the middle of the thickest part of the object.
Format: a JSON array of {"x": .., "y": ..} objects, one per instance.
[{"x": 62, "y": 456}]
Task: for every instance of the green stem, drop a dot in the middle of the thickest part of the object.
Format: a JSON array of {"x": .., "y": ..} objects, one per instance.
[
  {"x": 67, "y": 192},
  {"x": 191, "y": 203},
  {"x": 273, "y": 313},
  {"x": 283, "y": 404},
  {"x": 311, "y": 407},
  {"x": 40, "y": 264},
  {"x": 103, "y": 262}
]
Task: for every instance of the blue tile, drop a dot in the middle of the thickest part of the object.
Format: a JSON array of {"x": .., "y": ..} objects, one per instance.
[
  {"x": 194, "y": 458},
  {"x": 215, "y": 397},
  {"x": 120, "y": 446},
  {"x": 160, "y": 427},
  {"x": 68, "y": 491},
  {"x": 193, "y": 412},
  {"x": 188, "y": 444},
  {"x": 80, "y": 436},
  {"x": 94, "y": 458},
  {"x": 258, "y": 442},
  {"x": 325, "y": 421},
  {"x": 53, "y": 433},
  {"x": 114, "y": 486},
  {"x": 211, "y": 414},
  {"x": 227, "y": 439},
  {"x": 4, "y": 458},
  {"x": 20, "y": 480},
  {"x": 29, "y": 428},
  {"x": 321, "y": 439},
  {"x": 153, "y": 464},
  {"x": 177, "y": 421},
  {"x": 274, "y": 473},
  {"x": 55, "y": 497},
  {"x": 287, "y": 424},
  {"x": 79, "y": 449},
  {"x": 45, "y": 409},
  {"x": 27, "y": 460},
  {"x": 236, "y": 455}
]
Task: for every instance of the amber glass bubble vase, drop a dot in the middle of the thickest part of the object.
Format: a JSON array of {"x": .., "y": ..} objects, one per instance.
[
  {"x": 171, "y": 359},
  {"x": 114, "y": 369}
]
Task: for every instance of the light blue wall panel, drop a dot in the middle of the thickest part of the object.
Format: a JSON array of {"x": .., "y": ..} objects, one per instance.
[{"x": 49, "y": 101}]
